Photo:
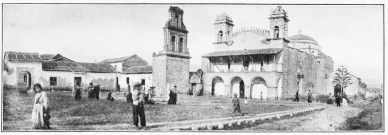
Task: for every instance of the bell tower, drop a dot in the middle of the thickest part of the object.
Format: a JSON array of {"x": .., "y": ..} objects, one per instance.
[
  {"x": 175, "y": 33},
  {"x": 223, "y": 28},
  {"x": 278, "y": 23},
  {"x": 171, "y": 65}
]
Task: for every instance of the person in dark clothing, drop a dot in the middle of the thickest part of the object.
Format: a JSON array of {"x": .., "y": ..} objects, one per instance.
[
  {"x": 118, "y": 88},
  {"x": 309, "y": 97},
  {"x": 173, "y": 96},
  {"x": 338, "y": 100},
  {"x": 110, "y": 98},
  {"x": 138, "y": 105},
  {"x": 90, "y": 91},
  {"x": 96, "y": 91},
  {"x": 236, "y": 105},
  {"x": 297, "y": 96},
  {"x": 77, "y": 89}
]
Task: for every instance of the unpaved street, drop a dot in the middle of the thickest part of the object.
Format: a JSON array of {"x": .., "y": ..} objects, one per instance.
[{"x": 326, "y": 120}]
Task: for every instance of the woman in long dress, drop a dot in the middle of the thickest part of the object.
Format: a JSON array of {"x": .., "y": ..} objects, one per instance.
[
  {"x": 77, "y": 92},
  {"x": 39, "y": 117}
]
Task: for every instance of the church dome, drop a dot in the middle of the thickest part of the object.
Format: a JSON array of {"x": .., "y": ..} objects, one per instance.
[{"x": 301, "y": 37}]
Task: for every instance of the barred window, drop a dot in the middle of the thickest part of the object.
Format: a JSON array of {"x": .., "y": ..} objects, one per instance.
[{"x": 53, "y": 81}]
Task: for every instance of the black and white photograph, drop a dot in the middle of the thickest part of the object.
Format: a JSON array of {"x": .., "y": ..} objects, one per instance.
[{"x": 193, "y": 67}]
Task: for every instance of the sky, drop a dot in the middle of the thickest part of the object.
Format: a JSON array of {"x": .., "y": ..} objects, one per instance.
[{"x": 351, "y": 34}]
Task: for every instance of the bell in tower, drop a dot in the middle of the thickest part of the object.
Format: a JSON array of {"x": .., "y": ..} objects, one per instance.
[
  {"x": 175, "y": 33},
  {"x": 223, "y": 28},
  {"x": 278, "y": 23}
]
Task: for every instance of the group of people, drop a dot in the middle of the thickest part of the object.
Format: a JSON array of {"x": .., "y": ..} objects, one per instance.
[
  {"x": 309, "y": 97},
  {"x": 93, "y": 91}
]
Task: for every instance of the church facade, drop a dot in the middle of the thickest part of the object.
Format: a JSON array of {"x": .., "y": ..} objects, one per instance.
[{"x": 268, "y": 64}]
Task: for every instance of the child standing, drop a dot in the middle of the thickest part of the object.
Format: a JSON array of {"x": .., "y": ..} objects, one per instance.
[{"x": 236, "y": 104}]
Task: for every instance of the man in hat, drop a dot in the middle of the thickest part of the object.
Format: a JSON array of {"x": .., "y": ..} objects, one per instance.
[
  {"x": 236, "y": 105},
  {"x": 138, "y": 105}
]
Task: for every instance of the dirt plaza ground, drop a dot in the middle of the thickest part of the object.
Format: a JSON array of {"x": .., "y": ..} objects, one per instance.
[{"x": 92, "y": 114}]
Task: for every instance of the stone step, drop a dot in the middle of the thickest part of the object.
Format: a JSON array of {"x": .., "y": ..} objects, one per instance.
[{"x": 222, "y": 123}]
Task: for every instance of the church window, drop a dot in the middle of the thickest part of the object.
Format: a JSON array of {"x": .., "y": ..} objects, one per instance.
[
  {"x": 276, "y": 32},
  {"x": 173, "y": 43},
  {"x": 177, "y": 20},
  {"x": 180, "y": 46},
  {"x": 220, "y": 36}
]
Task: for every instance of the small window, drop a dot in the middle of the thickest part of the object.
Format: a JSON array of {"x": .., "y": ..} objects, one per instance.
[
  {"x": 127, "y": 80},
  {"x": 53, "y": 81}
]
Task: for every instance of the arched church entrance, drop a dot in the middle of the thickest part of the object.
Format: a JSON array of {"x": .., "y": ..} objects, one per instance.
[
  {"x": 24, "y": 79},
  {"x": 337, "y": 89},
  {"x": 218, "y": 86},
  {"x": 238, "y": 86},
  {"x": 259, "y": 88}
]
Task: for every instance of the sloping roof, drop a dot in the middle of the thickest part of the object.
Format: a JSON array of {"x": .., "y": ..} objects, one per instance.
[
  {"x": 59, "y": 57},
  {"x": 114, "y": 60},
  {"x": 46, "y": 56},
  {"x": 300, "y": 37},
  {"x": 98, "y": 67},
  {"x": 139, "y": 70},
  {"x": 23, "y": 57},
  {"x": 134, "y": 61},
  {"x": 244, "y": 52},
  {"x": 62, "y": 66},
  {"x": 77, "y": 67}
]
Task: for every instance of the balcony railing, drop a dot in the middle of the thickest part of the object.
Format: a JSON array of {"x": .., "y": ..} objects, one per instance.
[{"x": 268, "y": 68}]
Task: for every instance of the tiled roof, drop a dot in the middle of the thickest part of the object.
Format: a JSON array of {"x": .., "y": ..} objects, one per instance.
[
  {"x": 62, "y": 66},
  {"x": 77, "y": 67},
  {"x": 139, "y": 70},
  {"x": 300, "y": 37},
  {"x": 244, "y": 52},
  {"x": 46, "y": 56},
  {"x": 98, "y": 67},
  {"x": 114, "y": 60},
  {"x": 134, "y": 61},
  {"x": 23, "y": 57}
]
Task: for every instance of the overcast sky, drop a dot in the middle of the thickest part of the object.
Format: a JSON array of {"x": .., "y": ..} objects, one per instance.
[{"x": 351, "y": 34}]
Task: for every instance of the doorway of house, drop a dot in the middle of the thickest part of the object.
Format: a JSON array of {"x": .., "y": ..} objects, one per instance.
[
  {"x": 242, "y": 86},
  {"x": 78, "y": 81},
  {"x": 143, "y": 82}
]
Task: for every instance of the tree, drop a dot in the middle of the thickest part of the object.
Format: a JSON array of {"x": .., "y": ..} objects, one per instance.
[{"x": 342, "y": 77}]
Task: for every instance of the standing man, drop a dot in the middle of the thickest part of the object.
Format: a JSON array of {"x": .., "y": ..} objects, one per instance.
[
  {"x": 96, "y": 91},
  {"x": 138, "y": 106},
  {"x": 309, "y": 97},
  {"x": 236, "y": 105},
  {"x": 90, "y": 91},
  {"x": 297, "y": 96}
]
